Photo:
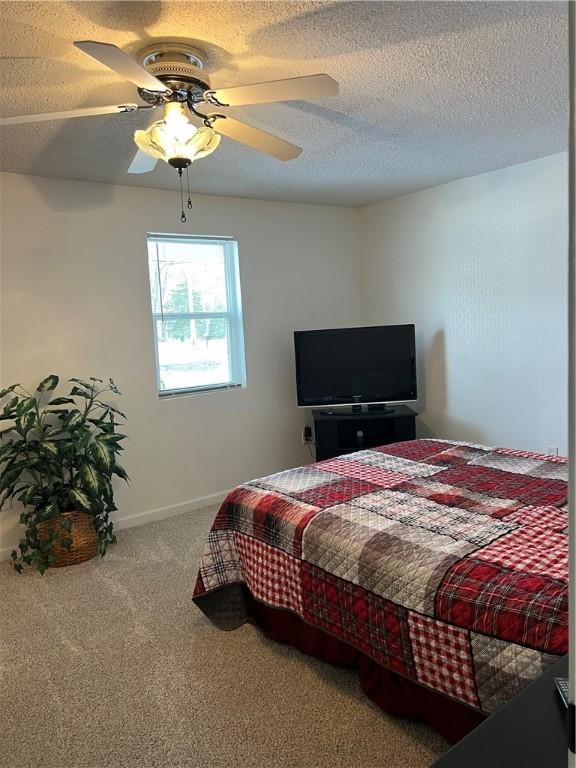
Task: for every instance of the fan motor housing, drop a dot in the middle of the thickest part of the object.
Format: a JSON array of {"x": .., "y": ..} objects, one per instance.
[{"x": 180, "y": 67}]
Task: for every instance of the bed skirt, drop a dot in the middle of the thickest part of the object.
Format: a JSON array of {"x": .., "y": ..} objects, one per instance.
[{"x": 394, "y": 694}]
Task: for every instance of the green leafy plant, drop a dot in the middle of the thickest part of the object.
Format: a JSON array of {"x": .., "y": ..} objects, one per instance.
[{"x": 59, "y": 454}]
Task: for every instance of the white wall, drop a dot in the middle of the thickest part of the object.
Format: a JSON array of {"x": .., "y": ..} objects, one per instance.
[
  {"x": 75, "y": 301},
  {"x": 480, "y": 266}
]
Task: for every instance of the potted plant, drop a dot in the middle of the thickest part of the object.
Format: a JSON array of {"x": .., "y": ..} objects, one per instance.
[{"x": 58, "y": 456}]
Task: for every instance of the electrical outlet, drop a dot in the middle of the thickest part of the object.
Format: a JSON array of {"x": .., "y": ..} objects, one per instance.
[
  {"x": 306, "y": 435},
  {"x": 552, "y": 450}
]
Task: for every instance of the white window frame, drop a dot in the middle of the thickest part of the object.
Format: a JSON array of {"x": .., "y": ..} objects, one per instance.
[{"x": 233, "y": 316}]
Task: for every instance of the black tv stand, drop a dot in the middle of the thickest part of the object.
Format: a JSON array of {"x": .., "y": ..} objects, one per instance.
[{"x": 345, "y": 430}]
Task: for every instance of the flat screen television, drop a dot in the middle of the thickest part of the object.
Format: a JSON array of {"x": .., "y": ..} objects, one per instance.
[{"x": 349, "y": 366}]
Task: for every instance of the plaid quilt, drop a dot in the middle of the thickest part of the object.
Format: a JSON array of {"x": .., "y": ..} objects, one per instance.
[{"x": 445, "y": 562}]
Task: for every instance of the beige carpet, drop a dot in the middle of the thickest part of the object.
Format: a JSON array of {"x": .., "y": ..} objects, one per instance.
[{"x": 110, "y": 664}]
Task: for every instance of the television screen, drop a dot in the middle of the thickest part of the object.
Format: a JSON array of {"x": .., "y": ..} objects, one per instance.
[{"x": 356, "y": 365}]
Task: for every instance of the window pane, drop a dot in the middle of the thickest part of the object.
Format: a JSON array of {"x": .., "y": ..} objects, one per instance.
[
  {"x": 193, "y": 353},
  {"x": 196, "y": 276},
  {"x": 185, "y": 278}
]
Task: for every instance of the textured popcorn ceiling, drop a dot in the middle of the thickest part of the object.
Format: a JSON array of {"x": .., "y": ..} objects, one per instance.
[{"x": 430, "y": 91}]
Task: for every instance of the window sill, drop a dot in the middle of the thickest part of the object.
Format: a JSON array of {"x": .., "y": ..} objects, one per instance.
[{"x": 178, "y": 393}]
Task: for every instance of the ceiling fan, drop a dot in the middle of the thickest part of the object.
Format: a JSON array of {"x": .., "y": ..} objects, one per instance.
[{"x": 172, "y": 76}]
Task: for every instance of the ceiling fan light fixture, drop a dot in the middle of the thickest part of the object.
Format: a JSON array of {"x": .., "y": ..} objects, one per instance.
[{"x": 175, "y": 140}]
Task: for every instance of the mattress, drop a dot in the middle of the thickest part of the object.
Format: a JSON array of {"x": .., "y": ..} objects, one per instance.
[{"x": 444, "y": 562}]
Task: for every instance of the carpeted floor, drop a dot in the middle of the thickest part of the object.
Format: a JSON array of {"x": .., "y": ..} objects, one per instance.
[{"x": 109, "y": 664}]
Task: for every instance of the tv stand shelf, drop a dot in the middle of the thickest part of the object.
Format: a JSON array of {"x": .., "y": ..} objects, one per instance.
[{"x": 340, "y": 431}]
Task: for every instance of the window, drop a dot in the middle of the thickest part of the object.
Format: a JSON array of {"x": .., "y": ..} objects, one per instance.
[{"x": 197, "y": 313}]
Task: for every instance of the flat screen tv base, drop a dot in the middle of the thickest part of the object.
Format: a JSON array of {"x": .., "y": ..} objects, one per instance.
[
  {"x": 345, "y": 431},
  {"x": 358, "y": 408}
]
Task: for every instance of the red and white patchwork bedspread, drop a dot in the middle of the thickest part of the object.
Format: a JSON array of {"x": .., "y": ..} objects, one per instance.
[{"x": 444, "y": 562}]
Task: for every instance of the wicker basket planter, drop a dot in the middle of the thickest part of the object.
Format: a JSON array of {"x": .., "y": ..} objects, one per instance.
[
  {"x": 73, "y": 445},
  {"x": 83, "y": 535}
]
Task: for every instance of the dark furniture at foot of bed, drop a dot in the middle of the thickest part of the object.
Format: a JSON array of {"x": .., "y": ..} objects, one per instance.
[{"x": 530, "y": 731}]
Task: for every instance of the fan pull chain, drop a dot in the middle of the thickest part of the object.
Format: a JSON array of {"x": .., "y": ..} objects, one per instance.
[
  {"x": 189, "y": 203},
  {"x": 182, "y": 215}
]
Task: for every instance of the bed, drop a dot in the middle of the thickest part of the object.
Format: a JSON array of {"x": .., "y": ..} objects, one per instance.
[{"x": 437, "y": 569}]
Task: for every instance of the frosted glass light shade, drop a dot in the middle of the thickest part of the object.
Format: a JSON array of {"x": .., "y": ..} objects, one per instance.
[{"x": 174, "y": 137}]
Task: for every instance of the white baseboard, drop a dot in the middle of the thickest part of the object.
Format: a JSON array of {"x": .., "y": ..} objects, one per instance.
[
  {"x": 141, "y": 518},
  {"x": 153, "y": 515}
]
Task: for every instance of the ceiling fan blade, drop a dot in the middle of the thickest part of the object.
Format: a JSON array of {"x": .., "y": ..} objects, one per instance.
[
  {"x": 308, "y": 87},
  {"x": 84, "y": 112},
  {"x": 255, "y": 138},
  {"x": 142, "y": 163},
  {"x": 114, "y": 58}
]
